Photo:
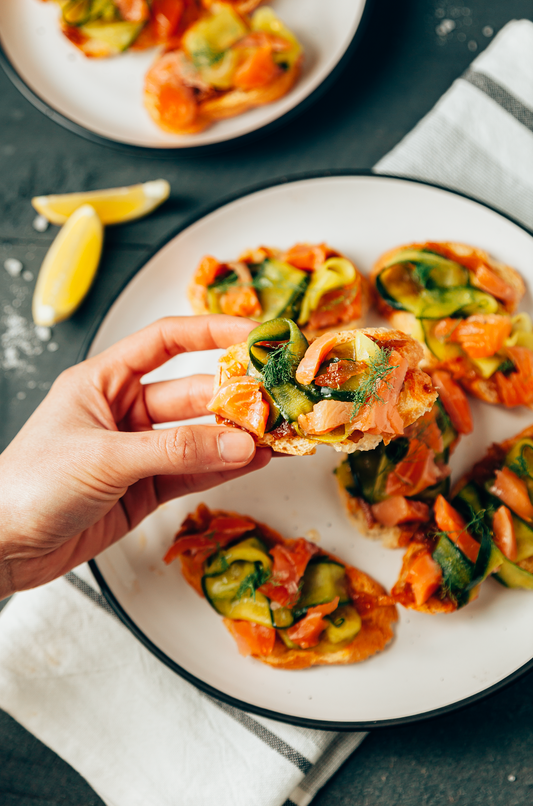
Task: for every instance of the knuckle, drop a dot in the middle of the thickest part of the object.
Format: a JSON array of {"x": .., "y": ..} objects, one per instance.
[{"x": 183, "y": 447}]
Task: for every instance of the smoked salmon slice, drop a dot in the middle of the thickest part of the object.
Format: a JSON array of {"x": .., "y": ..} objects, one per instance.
[
  {"x": 398, "y": 509},
  {"x": 326, "y": 416},
  {"x": 512, "y": 490},
  {"x": 240, "y": 400},
  {"x": 314, "y": 356},
  {"x": 380, "y": 415}
]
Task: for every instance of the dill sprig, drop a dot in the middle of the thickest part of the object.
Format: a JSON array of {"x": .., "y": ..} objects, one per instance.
[
  {"x": 253, "y": 581},
  {"x": 422, "y": 272},
  {"x": 279, "y": 366},
  {"x": 225, "y": 283},
  {"x": 476, "y": 524},
  {"x": 520, "y": 466},
  {"x": 378, "y": 369}
]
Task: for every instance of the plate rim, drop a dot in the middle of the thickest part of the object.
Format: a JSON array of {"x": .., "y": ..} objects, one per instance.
[
  {"x": 121, "y": 613},
  {"x": 187, "y": 152}
]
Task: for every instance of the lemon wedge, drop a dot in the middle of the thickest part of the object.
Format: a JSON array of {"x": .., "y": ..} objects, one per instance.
[
  {"x": 114, "y": 206},
  {"x": 68, "y": 268}
]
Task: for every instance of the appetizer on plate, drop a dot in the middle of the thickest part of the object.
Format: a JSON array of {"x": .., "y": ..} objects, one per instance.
[
  {"x": 486, "y": 529},
  {"x": 352, "y": 390},
  {"x": 389, "y": 491},
  {"x": 103, "y": 28},
  {"x": 224, "y": 64},
  {"x": 310, "y": 283},
  {"x": 286, "y": 602},
  {"x": 458, "y": 301}
]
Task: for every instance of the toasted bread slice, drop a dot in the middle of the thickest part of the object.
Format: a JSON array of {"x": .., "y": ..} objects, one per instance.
[
  {"x": 376, "y": 609},
  {"x": 416, "y": 396}
]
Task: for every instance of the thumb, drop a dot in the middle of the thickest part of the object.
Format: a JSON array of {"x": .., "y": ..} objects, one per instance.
[{"x": 188, "y": 449}]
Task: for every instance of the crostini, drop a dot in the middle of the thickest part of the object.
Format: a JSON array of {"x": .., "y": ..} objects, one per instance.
[
  {"x": 485, "y": 529},
  {"x": 389, "y": 491},
  {"x": 351, "y": 390},
  {"x": 287, "y": 603},
  {"x": 312, "y": 284},
  {"x": 222, "y": 65},
  {"x": 459, "y": 303}
]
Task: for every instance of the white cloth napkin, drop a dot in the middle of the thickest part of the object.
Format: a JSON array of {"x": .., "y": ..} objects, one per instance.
[
  {"x": 78, "y": 680},
  {"x": 478, "y": 139}
]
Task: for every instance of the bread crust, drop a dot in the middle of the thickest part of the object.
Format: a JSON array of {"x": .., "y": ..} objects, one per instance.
[
  {"x": 378, "y": 614},
  {"x": 416, "y": 397}
]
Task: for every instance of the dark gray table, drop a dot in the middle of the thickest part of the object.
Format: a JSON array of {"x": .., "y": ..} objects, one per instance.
[{"x": 481, "y": 755}]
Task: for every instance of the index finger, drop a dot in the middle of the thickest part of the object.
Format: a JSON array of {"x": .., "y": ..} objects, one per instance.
[{"x": 154, "y": 345}]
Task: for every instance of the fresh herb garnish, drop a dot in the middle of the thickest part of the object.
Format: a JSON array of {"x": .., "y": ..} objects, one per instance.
[
  {"x": 378, "y": 369},
  {"x": 396, "y": 450},
  {"x": 253, "y": 581},
  {"x": 279, "y": 366},
  {"x": 520, "y": 466},
  {"x": 506, "y": 367},
  {"x": 224, "y": 283},
  {"x": 422, "y": 272},
  {"x": 205, "y": 57}
]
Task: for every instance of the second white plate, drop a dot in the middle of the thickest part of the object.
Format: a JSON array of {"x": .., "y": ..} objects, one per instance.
[{"x": 102, "y": 98}]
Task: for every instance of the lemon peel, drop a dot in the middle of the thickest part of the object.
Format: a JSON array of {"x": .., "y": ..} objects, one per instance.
[
  {"x": 113, "y": 205},
  {"x": 69, "y": 268}
]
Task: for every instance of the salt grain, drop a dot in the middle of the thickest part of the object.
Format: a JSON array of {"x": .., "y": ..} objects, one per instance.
[
  {"x": 445, "y": 27},
  {"x": 43, "y": 333},
  {"x": 511, "y": 778},
  {"x": 53, "y": 346},
  {"x": 28, "y": 276},
  {"x": 40, "y": 223},
  {"x": 487, "y": 31},
  {"x": 13, "y": 266},
  {"x": 18, "y": 342}
]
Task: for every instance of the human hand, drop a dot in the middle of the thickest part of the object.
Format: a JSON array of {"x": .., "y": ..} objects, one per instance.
[{"x": 87, "y": 466}]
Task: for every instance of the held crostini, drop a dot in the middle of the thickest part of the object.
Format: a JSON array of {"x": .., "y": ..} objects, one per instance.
[
  {"x": 312, "y": 284},
  {"x": 390, "y": 490},
  {"x": 351, "y": 390},
  {"x": 285, "y": 602},
  {"x": 486, "y": 529},
  {"x": 459, "y": 303},
  {"x": 224, "y": 64}
]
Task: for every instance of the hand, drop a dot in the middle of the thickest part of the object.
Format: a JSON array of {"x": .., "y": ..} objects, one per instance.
[{"x": 87, "y": 466}]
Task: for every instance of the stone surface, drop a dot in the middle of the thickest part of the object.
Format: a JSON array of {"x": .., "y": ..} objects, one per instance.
[{"x": 400, "y": 69}]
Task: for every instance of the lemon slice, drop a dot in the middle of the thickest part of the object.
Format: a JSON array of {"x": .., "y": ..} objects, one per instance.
[
  {"x": 113, "y": 206},
  {"x": 68, "y": 268}
]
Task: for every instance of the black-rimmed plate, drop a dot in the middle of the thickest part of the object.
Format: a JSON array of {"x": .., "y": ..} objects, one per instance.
[
  {"x": 435, "y": 663},
  {"x": 102, "y": 98}
]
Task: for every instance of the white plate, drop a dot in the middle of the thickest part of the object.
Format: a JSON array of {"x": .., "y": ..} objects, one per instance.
[
  {"x": 104, "y": 97},
  {"x": 434, "y": 662}
]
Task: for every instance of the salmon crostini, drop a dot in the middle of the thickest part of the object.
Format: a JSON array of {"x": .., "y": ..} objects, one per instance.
[
  {"x": 312, "y": 284},
  {"x": 104, "y": 28},
  {"x": 389, "y": 491},
  {"x": 486, "y": 529},
  {"x": 287, "y": 603},
  {"x": 222, "y": 65},
  {"x": 459, "y": 303},
  {"x": 351, "y": 390}
]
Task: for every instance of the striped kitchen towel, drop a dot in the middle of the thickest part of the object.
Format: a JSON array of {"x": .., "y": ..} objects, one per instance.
[
  {"x": 478, "y": 139},
  {"x": 78, "y": 680}
]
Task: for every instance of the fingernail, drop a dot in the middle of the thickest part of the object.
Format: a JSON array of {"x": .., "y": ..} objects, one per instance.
[{"x": 235, "y": 446}]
